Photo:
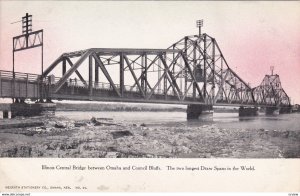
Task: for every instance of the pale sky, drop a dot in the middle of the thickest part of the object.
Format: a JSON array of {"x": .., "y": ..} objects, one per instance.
[{"x": 252, "y": 35}]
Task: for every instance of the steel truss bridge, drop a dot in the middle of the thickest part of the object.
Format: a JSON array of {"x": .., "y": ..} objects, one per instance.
[{"x": 191, "y": 71}]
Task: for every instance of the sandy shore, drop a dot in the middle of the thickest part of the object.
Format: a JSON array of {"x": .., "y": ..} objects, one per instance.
[{"x": 61, "y": 137}]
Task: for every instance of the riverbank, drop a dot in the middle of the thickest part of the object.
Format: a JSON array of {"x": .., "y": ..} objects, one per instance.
[{"x": 108, "y": 138}]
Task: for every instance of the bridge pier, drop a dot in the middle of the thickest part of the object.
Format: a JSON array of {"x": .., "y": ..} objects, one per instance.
[
  {"x": 194, "y": 110},
  {"x": 271, "y": 110},
  {"x": 248, "y": 111},
  {"x": 36, "y": 109},
  {"x": 5, "y": 114},
  {"x": 285, "y": 110}
]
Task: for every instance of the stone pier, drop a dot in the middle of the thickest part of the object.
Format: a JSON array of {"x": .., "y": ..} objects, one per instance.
[
  {"x": 195, "y": 110},
  {"x": 5, "y": 114},
  {"x": 35, "y": 109},
  {"x": 285, "y": 110},
  {"x": 270, "y": 110},
  {"x": 248, "y": 111}
]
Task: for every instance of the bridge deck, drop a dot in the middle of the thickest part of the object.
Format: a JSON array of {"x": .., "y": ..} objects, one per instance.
[{"x": 29, "y": 86}]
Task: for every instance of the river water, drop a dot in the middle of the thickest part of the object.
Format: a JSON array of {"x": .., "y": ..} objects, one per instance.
[{"x": 221, "y": 120}]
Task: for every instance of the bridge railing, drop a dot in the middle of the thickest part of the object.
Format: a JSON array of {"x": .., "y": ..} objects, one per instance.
[
  {"x": 107, "y": 86},
  {"x": 52, "y": 80},
  {"x": 75, "y": 82},
  {"x": 18, "y": 76}
]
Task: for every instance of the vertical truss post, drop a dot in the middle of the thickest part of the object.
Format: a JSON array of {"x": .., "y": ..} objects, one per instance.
[
  {"x": 221, "y": 87},
  {"x": 186, "y": 72},
  {"x": 64, "y": 66},
  {"x": 165, "y": 84},
  {"x": 173, "y": 67},
  {"x": 195, "y": 68},
  {"x": 165, "y": 78},
  {"x": 122, "y": 74},
  {"x": 241, "y": 93},
  {"x": 26, "y": 84},
  {"x": 146, "y": 77},
  {"x": 90, "y": 75},
  {"x": 143, "y": 73},
  {"x": 236, "y": 93},
  {"x": 159, "y": 74},
  {"x": 96, "y": 74}
]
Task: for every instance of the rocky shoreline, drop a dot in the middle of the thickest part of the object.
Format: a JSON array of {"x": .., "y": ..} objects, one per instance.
[{"x": 106, "y": 138}]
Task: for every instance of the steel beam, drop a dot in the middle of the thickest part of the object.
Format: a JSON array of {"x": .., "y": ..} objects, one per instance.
[
  {"x": 172, "y": 80},
  {"x": 213, "y": 70},
  {"x": 105, "y": 72},
  {"x": 192, "y": 76},
  {"x": 131, "y": 51},
  {"x": 134, "y": 76},
  {"x": 77, "y": 73},
  {"x": 121, "y": 74},
  {"x": 96, "y": 74},
  {"x": 52, "y": 66},
  {"x": 64, "y": 66},
  {"x": 90, "y": 75},
  {"x": 164, "y": 76},
  {"x": 140, "y": 77},
  {"x": 71, "y": 71},
  {"x": 145, "y": 73}
]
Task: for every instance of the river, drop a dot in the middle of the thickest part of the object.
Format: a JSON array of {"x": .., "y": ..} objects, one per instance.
[{"x": 221, "y": 120}]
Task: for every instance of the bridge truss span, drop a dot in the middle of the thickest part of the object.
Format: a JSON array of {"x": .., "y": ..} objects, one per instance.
[
  {"x": 219, "y": 83},
  {"x": 148, "y": 74},
  {"x": 192, "y": 70},
  {"x": 270, "y": 92}
]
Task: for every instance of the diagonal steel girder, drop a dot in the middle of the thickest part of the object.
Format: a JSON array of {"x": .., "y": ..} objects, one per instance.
[
  {"x": 221, "y": 87},
  {"x": 65, "y": 77},
  {"x": 161, "y": 77},
  {"x": 52, "y": 66},
  {"x": 134, "y": 76},
  {"x": 192, "y": 75},
  {"x": 270, "y": 92},
  {"x": 140, "y": 77},
  {"x": 77, "y": 72},
  {"x": 172, "y": 80},
  {"x": 105, "y": 72}
]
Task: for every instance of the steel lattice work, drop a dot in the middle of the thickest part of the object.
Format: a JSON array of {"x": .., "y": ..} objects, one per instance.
[
  {"x": 218, "y": 83},
  {"x": 191, "y": 71},
  {"x": 270, "y": 92}
]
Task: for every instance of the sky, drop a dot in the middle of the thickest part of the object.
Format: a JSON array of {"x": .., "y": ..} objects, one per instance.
[{"x": 252, "y": 35}]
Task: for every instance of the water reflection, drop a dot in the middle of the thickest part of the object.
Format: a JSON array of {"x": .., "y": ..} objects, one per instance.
[{"x": 246, "y": 118}]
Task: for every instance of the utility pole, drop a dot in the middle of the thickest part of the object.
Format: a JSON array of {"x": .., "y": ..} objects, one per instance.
[
  {"x": 199, "y": 24},
  {"x": 27, "y": 40},
  {"x": 272, "y": 70},
  {"x": 26, "y": 26}
]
